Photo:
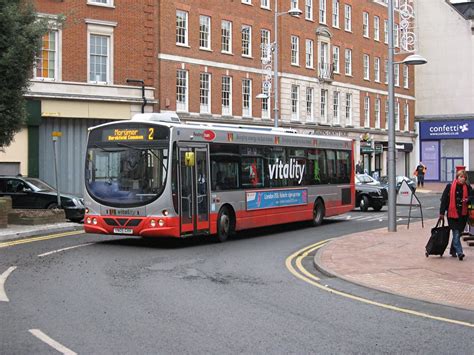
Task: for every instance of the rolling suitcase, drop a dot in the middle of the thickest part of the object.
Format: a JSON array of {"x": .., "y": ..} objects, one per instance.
[{"x": 439, "y": 239}]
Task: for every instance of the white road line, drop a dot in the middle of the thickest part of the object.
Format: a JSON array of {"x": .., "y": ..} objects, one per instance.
[
  {"x": 51, "y": 342},
  {"x": 357, "y": 217},
  {"x": 429, "y": 208},
  {"x": 3, "y": 278},
  {"x": 63, "y": 249},
  {"x": 366, "y": 218},
  {"x": 337, "y": 218},
  {"x": 375, "y": 219}
]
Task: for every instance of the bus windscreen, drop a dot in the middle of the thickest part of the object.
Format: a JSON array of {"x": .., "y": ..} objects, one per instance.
[{"x": 126, "y": 166}]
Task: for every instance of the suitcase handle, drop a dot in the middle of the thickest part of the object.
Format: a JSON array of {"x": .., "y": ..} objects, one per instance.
[{"x": 440, "y": 220}]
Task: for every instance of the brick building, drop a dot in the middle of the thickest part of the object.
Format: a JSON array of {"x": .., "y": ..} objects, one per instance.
[
  {"x": 79, "y": 81},
  {"x": 332, "y": 69},
  {"x": 203, "y": 59}
]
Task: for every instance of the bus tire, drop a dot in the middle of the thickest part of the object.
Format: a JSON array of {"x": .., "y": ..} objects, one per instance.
[
  {"x": 318, "y": 213},
  {"x": 224, "y": 224}
]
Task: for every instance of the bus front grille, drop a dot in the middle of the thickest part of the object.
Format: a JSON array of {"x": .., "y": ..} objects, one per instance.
[{"x": 129, "y": 222}]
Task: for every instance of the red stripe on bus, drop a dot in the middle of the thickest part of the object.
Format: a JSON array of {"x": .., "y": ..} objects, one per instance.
[{"x": 245, "y": 220}]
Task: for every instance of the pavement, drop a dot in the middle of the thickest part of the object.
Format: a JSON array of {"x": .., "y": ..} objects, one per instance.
[
  {"x": 395, "y": 262},
  {"x": 392, "y": 262},
  {"x": 16, "y": 231}
]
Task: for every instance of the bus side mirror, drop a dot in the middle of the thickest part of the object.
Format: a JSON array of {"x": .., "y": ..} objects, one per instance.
[{"x": 189, "y": 158}]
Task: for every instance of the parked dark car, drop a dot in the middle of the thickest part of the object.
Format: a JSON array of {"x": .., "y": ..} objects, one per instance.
[
  {"x": 399, "y": 180},
  {"x": 34, "y": 193},
  {"x": 369, "y": 193}
]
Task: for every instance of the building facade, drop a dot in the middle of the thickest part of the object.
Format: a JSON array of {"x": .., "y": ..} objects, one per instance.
[
  {"x": 444, "y": 87},
  {"x": 208, "y": 64},
  {"x": 332, "y": 70},
  {"x": 80, "y": 80}
]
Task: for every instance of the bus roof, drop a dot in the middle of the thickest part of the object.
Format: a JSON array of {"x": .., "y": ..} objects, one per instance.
[{"x": 171, "y": 120}]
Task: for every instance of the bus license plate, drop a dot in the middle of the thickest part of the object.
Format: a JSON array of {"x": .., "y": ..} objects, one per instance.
[{"x": 123, "y": 230}]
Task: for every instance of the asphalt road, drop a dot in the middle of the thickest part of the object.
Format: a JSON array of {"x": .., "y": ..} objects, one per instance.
[{"x": 119, "y": 295}]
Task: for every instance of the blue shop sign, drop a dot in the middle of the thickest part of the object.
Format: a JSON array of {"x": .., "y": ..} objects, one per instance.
[{"x": 456, "y": 129}]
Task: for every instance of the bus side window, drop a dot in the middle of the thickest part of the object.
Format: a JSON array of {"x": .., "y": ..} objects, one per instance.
[
  {"x": 219, "y": 182},
  {"x": 252, "y": 172},
  {"x": 323, "y": 167},
  {"x": 343, "y": 167}
]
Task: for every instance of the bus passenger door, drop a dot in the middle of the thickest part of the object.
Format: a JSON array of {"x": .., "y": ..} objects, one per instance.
[{"x": 194, "y": 190}]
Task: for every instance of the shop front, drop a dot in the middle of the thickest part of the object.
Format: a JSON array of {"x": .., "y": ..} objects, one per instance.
[
  {"x": 445, "y": 145},
  {"x": 403, "y": 163}
]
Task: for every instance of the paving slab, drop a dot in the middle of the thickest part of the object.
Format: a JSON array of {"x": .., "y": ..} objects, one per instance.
[{"x": 395, "y": 262}]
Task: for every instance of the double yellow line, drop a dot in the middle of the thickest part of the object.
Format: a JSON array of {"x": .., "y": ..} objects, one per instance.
[
  {"x": 300, "y": 272},
  {"x": 37, "y": 239}
]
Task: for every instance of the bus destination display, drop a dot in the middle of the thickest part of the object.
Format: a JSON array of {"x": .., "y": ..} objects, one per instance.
[{"x": 129, "y": 134}]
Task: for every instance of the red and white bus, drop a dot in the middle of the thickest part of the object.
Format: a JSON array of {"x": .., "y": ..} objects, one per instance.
[{"x": 153, "y": 176}]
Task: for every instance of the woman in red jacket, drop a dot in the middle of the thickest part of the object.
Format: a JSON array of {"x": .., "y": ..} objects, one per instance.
[{"x": 454, "y": 201}]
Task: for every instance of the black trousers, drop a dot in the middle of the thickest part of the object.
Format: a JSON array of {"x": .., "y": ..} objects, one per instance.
[{"x": 421, "y": 179}]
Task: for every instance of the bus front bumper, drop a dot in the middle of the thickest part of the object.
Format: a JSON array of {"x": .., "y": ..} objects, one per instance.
[{"x": 142, "y": 227}]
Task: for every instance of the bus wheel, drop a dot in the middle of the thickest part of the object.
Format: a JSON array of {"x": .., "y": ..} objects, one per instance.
[
  {"x": 318, "y": 213},
  {"x": 224, "y": 224}
]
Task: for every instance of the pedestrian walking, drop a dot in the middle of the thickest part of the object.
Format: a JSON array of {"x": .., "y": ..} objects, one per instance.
[
  {"x": 454, "y": 201},
  {"x": 359, "y": 169},
  {"x": 420, "y": 172}
]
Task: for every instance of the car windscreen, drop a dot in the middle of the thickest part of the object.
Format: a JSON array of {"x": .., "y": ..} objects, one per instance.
[
  {"x": 365, "y": 179},
  {"x": 38, "y": 185},
  {"x": 130, "y": 171}
]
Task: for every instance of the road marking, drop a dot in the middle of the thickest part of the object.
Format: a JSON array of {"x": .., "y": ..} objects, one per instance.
[
  {"x": 3, "y": 279},
  {"x": 51, "y": 342},
  {"x": 312, "y": 280},
  {"x": 64, "y": 249},
  {"x": 304, "y": 255},
  {"x": 366, "y": 218},
  {"x": 36, "y": 239},
  {"x": 372, "y": 218}
]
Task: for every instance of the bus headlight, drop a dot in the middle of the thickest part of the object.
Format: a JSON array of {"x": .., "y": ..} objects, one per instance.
[
  {"x": 165, "y": 213},
  {"x": 94, "y": 221},
  {"x": 161, "y": 223},
  {"x": 88, "y": 220},
  {"x": 153, "y": 223}
]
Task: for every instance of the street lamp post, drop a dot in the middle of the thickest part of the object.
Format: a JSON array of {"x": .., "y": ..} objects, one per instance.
[
  {"x": 413, "y": 59},
  {"x": 274, "y": 47},
  {"x": 292, "y": 12},
  {"x": 275, "y": 67},
  {"x": 392, "y": 209}
]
